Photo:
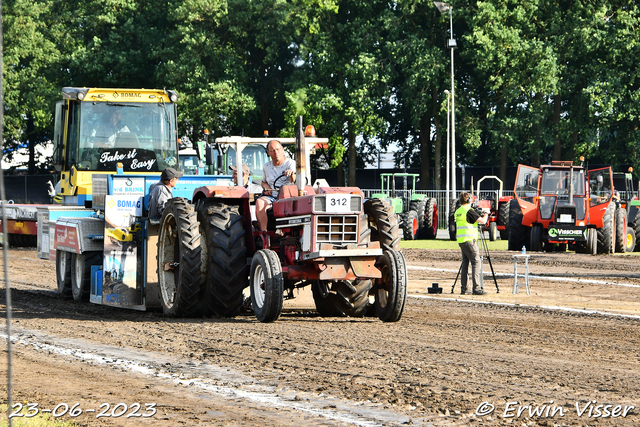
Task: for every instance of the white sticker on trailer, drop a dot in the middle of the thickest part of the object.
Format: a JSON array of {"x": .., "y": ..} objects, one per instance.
[{"x": 338, "y": 203}]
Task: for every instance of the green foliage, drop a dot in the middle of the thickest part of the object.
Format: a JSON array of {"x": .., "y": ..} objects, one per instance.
[{"x": 539, "y": 79}]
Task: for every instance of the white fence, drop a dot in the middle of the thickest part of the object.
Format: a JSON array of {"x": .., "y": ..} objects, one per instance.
[{"x": 440, "y": 196}]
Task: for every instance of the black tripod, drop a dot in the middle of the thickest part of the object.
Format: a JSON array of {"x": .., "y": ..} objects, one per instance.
[{"x": 484, "y": 250}]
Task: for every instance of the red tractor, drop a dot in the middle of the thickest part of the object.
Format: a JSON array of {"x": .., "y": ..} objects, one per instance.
[
  {"x": 498, "y": 208},
  {"x": 562, "y": 205},
  {"x": 317, "y": 236}
]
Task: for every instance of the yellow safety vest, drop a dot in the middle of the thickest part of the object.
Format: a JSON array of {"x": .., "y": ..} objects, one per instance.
[{"x": 465, "y": 232}]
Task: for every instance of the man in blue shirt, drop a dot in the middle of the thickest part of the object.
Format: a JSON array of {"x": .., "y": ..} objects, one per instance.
[{"x": 161, "y": 192}]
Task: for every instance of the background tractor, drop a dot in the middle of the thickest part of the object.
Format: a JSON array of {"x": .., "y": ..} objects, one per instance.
[
  {"x": 631, "y": 205},
  {"x": 418, "y": 214},
  {"x": 563, "y": 205},
  {"x": 498, "y": 207},
  {"x": 492, "y": 202}
]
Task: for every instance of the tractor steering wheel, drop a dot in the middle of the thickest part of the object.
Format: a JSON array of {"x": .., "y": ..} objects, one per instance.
[{"x": 277, "y": 187}]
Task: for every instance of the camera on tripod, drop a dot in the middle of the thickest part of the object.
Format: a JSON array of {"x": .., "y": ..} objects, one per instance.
[{"x": 480, "y": 211}]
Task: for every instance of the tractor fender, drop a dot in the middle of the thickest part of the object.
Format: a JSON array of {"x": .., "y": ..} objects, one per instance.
[{"x": 219, "y": 191}]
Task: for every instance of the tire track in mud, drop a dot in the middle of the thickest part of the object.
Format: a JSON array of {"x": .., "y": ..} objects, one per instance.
[
  {"x": 435, "y": 366},
  {"x": 206, "y": 378}
]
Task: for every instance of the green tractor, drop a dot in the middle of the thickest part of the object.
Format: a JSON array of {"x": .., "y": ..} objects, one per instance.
[
  {"x": 420, "y": 219},
  {"x": 630, "y": 206}
]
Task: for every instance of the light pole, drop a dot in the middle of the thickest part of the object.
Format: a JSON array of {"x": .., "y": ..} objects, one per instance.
[
  {"x": 448, "y": 204},
  {"x": 451, "y": 44}
]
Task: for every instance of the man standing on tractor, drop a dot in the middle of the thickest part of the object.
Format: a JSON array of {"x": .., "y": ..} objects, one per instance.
[
  {"x": 161, "y": 192},
  {"x": 273, "y": 174},
  {"x": 467, "y": 220}
]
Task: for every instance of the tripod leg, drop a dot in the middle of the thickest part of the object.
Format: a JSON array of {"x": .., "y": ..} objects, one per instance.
[
  {"x": 455, "y": 281},
  {"x": 493, "y": 274},
  {"x": 486, "y": 250}
]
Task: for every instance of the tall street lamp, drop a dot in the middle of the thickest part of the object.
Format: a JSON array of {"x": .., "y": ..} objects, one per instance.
[
  {"x": 448, "y": 204},
  {"x": 451, "y": 44}
]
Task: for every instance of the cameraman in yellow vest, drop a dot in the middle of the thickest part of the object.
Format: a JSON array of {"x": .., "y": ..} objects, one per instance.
[{"x": 467, "y": 220}]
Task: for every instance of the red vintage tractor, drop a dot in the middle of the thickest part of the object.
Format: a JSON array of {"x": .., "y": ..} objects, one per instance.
[
  {"x": 498, "y": 207},
  {"x": 563, "y": 205},
  {"x": 317, "y": 236}
]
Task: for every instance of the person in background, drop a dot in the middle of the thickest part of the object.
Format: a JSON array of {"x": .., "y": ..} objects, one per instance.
[
  {"x": 273, "y": 171},
  {"x": 467, "y": 221},
  {"x": 246, "y": 173},
  {"x": 161, "y": 192},
  {"x": 107, "y": 132}
]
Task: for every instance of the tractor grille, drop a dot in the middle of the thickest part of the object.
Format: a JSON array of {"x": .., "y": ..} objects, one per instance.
[
  {"x": 354, "y": 203},
  {"x": 566, "y": 213},
  {"x": 337, "y": 229}
]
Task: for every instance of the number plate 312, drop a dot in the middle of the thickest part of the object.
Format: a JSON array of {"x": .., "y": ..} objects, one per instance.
[{"x": 338, "y": 203}]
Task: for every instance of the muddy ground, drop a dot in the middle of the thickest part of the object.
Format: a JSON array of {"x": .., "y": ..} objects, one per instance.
[{"x": 555, "y": 357}]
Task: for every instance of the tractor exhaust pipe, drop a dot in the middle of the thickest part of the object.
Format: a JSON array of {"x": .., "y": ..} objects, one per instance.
[
  {"x": 571, "y": 185},
  {"x": 301, "y": 158}
]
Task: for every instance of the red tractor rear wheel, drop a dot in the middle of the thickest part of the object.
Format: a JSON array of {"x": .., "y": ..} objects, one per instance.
[
  {"x": 226, "y": 254},
  {"x": 518, "y": 233},
  {"x": 621, "y": 230},
  {"x": 420, "y": 207},
  {"x": 607, "y": 234},
  {"x": 386, "y": 230},
  {"x": 429, "y": 230},
  {"x": 503, "y": 219},
  {"x": 410, "y": 226}
]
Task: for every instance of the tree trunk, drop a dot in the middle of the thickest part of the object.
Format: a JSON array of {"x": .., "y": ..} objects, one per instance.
[
  {"x": 503, "y": 162},
  {"x": 425, "y": 151},
  {"x": 340, "y": 174},
  {"x": 31, "y": 139},
  {"x": 574, "y": 142},
  {"x": 352, "y": 156},
  {"x": 437, "y": 162},
  {"x": 557, "y": 146}
]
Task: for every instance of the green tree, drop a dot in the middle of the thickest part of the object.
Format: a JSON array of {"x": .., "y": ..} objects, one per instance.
[
  {"x": 419, "y": 64},
  {"x": 31, "y": 75},
  {"x": 510, "y": 72},
  {"x": 342, "y": 64},
  {"x": 202, "y": 65}
]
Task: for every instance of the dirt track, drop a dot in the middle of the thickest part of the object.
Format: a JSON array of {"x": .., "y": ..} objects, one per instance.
[{"x": 435, "y": 367}]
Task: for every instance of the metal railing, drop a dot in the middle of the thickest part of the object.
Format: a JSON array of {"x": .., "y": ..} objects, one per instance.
[{"x": 439, "y": 195}]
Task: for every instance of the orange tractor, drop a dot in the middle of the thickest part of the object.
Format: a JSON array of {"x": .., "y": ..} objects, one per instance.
[{"x": 562, "y": 205}]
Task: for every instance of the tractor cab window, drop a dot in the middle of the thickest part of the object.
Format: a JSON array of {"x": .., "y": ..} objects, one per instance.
[
  {"x": 527, "y": 183},
  {"x": 138, "y": 135},
  {"x": 71, "y": 155},
  {"x": 557, "y": 182},
  {"x": 254, "y": 156},
  {"x": 600, "y": 186},
  {"x": 188, "y": 162}
]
